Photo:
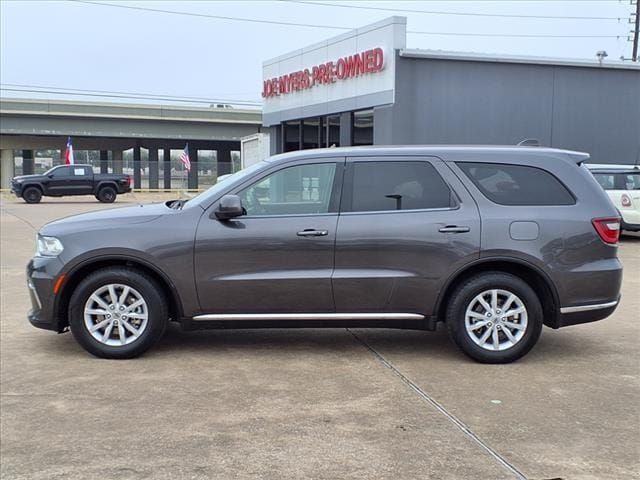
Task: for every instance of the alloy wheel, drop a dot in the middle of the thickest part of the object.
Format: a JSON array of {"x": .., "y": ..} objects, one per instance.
[
  {"x": 116, "y": 314},
  {"x": 496, "y": 319}
]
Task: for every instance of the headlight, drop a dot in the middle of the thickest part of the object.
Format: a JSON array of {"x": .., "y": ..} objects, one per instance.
[{"x": 49, "y": 246}]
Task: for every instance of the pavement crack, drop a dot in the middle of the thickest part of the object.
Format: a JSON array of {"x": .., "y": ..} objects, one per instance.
[
  {"x": 21, "y": 219},
  {"x": 440, "y": 408}
]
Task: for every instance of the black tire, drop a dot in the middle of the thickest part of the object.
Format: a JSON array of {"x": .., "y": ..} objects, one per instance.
[
  {"x": 32, "y": 195},
  {"x": 464, "y": 295},
  {"x": 107, "y": 194},
  {"x": 146, "y": 286}
]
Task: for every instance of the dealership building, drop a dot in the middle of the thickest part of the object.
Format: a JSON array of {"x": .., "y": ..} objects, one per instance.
[{"x": 365, "y": 87}]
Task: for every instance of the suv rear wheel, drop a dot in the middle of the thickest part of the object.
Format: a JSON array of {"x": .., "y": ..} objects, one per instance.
[
  {"x": 117, "y": 312},
  {"x": 494, "y": 317},
  {"x": 106, "y": 194}
]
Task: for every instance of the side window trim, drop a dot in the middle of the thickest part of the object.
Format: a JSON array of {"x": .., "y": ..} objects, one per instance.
[
  {"x": 396, "y": 212},
  {"x": 346, "y": 202},
  {"x": 336, "y": 188}
]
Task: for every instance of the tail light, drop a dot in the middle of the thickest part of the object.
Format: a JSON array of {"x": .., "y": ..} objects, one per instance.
[
  {"x": 626, "y": 201},
  {"x": 128, "y": 180},
  {"x": 608, "y": 229}
]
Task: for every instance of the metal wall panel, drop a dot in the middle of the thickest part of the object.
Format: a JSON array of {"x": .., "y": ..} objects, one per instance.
[
  {"x": 598, "y": 111},
  {"x": 469, "y": 102}
]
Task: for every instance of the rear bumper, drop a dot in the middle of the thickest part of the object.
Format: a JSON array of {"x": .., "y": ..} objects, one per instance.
[
  {"x": 630, "y": 219},
  {"x": 633, "y": 227},
  {"x": 586, "y": 313}
]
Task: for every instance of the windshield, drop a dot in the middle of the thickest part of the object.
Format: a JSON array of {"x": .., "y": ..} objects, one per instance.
[{"x": 203, "y": 199}]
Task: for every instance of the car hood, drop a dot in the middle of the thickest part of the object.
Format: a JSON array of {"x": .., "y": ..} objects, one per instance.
[
  {"x": 29, "y": 177},
  {"x": 110, "y": 218}
]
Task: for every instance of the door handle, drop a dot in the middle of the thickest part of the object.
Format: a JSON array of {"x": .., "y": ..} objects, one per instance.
[
  {"x": 454, "y": 229},
  {"x": 312, "y": 232}
]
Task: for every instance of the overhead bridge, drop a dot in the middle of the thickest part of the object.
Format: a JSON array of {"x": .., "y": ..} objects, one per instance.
[{"x": 143, "y": 140}]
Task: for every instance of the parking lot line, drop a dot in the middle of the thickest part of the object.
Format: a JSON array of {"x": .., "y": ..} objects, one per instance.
[{"x": 440, "y": 408}]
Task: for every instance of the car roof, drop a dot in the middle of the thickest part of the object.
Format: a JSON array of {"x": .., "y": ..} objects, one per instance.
[
  {"x": 73, "y": 165},
  {"x": 616, "y": 170},
  {"x": 459, "y": 152}
]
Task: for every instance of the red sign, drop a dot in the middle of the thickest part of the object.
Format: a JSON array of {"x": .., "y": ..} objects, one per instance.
[{"x": 363, "y": 63}]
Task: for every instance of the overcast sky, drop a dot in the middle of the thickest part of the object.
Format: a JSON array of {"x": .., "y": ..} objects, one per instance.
[{"x": 92, "y": 47}]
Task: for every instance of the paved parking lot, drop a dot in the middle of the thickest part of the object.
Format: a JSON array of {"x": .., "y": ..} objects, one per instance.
[{"x": 322, "y": 404}]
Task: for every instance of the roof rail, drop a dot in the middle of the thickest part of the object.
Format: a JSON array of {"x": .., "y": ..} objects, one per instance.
[{"x": 529, "y": 142}]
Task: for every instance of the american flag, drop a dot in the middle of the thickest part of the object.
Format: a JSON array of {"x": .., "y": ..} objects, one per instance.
[{"x": 184, "y": 158}]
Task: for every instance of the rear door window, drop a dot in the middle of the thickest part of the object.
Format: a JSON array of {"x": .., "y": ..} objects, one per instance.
[
  {"x": 397, "y": 185},
  {"x": 508, "y": 184},
  {"x": 631, "y": 181},
  {"x": 81, "y": 171}
]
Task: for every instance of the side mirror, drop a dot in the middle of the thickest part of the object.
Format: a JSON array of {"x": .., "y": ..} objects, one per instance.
[{"x": 229, "y": 207}]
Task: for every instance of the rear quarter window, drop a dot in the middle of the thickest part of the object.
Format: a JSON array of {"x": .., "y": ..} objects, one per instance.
[{"x": 508, "y": 184}]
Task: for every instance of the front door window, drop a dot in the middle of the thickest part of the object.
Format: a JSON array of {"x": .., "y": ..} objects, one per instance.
[{"x": 298, "y": 190}]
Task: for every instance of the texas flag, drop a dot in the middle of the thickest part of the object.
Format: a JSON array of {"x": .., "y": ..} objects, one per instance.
[{"x": 68, "y": 154}]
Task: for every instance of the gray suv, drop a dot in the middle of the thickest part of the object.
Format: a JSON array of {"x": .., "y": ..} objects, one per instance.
[{"x": 493, "y": 241}]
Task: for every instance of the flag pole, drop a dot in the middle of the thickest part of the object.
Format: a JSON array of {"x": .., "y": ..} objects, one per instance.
[
  {"x": 186, "y": 167},
  {"x": 185, "y": 181}
]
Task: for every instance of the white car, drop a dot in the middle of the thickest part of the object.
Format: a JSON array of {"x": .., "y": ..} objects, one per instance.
[{"x": 623, "y": 187}]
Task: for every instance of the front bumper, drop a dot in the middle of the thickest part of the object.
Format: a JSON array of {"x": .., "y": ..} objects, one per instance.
[
  {"x": 42, "y": 273},
  {"x": 16, "y": 189}
]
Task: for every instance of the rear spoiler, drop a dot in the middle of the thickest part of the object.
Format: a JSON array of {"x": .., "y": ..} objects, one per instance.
[{"x": 577, "y": 157}]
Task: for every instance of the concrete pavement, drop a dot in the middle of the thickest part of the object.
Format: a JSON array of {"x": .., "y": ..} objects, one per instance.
[{"x": 323, "y": 404}]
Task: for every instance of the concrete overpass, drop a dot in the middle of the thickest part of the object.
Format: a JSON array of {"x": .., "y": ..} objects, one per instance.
[{"x": 151, "y": 131}]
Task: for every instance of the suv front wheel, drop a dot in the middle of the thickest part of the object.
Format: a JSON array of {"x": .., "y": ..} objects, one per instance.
[
  {"x": 32, "y": 195},
  {"x": 494, "y": 317},
  {"x": 117, "y": 312}
]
